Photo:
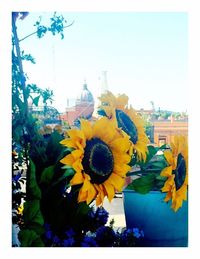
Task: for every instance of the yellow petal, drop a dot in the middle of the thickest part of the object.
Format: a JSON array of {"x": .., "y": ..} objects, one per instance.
[
  {"x": 121, "y": 169},
  {"x": 76, "y": 154},
  {"x": 82, "y": 196},
  {"x": 91, "y": 194},
  {"x": 80, "y": 144},
  {"x": 77, "y": 178},
  {"x": 177, "y": 204},
  {"x": 120, "y": 145},
  {"x": 104, "y": 130},
  {"x": 169, "y": 157},
  {"x": 75, "y": 133},
  {"x": 68, "y": 143},
  {"x": 86, "y": 128},
  {"x": 110, "y": 112},
  {"x": 68, "y": 160},
  {"x": 99, "y": 200},
  {"x": 108, "y": 99},
  {"x": 122, "y": 101},
  {"x": 116, "y": 181},
  {"x": 167, "y": 171},
  {"x": 109, "y": 190},
  {"x": 77, "y": 165},
  {"x": 168, "y": 197},
  {"x": 86, "y": 185},
  {"x": 121, "y": 158}
]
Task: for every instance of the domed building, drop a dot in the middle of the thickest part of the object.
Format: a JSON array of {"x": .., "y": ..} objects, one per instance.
[
  {"x": 84, "y": 107},
  {"x": 86, "y": 95}
]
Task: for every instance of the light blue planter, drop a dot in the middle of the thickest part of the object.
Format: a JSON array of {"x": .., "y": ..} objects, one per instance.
[{"x": 161, "y": 225}]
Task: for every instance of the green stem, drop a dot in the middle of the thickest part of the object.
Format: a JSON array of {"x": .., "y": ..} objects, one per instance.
[
  {"x": 23, "y": 79},
  {"x": 36, "y": 32}
]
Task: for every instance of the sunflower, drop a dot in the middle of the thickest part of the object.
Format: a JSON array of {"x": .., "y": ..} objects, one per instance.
[
  {"x": 116, "y": 109},
  {"x": 176, "y": 172},
  {"x": 100, "y": 159}
]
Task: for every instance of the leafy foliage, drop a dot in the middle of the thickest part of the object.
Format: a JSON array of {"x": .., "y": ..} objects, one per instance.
[
  {"x": 33, "y": 153},
  {"x": 56, "y": 26},
  {"x": 148, "y": 173}
]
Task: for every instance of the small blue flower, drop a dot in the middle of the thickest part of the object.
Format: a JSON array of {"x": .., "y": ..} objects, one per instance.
[
  {"x": 49, "y": 234},
  {"x": 99, "y": 217},
  {"x": 142, "y": 233},
  {"x": 68, "y": 242},
  {"x": 47, "y": 226},
  {"x": 91, "y": 213},
  {"x": 138, "y": 233},
  {"x": 70, "y": 233},
  {"x": 88, "y": 242},
  {"x": 56, "y": 240},
  {"x": 16, "y": 177},
  {"x": 102, "y": 215},
  {"x": 105, "y": 236}
]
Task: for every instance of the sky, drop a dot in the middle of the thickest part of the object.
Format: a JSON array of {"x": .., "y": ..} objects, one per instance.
[{"x": 144, "y": 54}]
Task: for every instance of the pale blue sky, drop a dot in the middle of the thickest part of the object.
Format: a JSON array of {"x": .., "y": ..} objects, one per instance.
[{"x": 144, "y": 54}]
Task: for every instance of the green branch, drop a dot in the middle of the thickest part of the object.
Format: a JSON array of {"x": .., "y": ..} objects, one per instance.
[{"x": 37, "y": 31}]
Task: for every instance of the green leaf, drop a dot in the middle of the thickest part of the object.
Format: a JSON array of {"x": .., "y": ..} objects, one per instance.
[
  {"x": 32, "y": 212},
  {"x": 66, "y": 167},
  {"x": 81, "y": 212},
  {"x": 68, "y": 172},
  {"x": 54, "y": 148},
  {"x": 143, "y": 184},
  {"x": 36, "y": 100},
  {"x": 38, "y": 228},
  {"x": 27, "y": 237},
  {"x": 163, "y": 147},
  {"x": 47, "y": 175},
  {"x": 38, "y": 218},
  {"x": 160, "y": 178},
  {"x": 160, "y": 181},
  {"x": 133, "y": 160},
  {"x": 32, "y": 189},
  {"x": 38, "y": 243},
  {"x": 151, "y": 152},
  {"x": 157, "y": 164},
  {"x": 68, "y": 149}
]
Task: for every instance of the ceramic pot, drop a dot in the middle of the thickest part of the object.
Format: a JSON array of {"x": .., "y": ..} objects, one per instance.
[{"x": 161, "y": 225}]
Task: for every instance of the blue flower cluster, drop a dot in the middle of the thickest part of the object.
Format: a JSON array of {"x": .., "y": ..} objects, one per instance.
[
  {"x": 137, "y": 233},
  {"x": 70, "y": 238},
  {"x": 53, "y": 240},
  {"x": 99, "y": 217},
  {"x": 105, "y": 236},
  {"x": 89, "y": 241},
  {"x": 102, "y": 236},
  {"x": 49, "y": 236},
  {"x": 130, "y": 237}
]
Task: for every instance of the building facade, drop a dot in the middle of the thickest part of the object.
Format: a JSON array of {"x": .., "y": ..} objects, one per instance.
[
  {"x": 165, "y": 130},
  {"x": 83, "y": 108}
]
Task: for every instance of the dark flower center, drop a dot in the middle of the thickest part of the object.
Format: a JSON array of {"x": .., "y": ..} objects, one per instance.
[
  {"x": 127, "y": 125},
  {"x": 180, "y": 172},
  {"x": 98, "y": 160}
]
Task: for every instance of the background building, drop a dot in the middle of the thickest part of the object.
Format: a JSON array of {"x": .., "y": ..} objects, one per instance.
[
  {"x": 83, "y": 108},
  {"x": 165, "y": 130},
  {"x": 161, "y": 126}
]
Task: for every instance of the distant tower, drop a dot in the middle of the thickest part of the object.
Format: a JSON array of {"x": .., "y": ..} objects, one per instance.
[
  {"x": 86, "y": 95},
  {"x": 104, "y": 82}
]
